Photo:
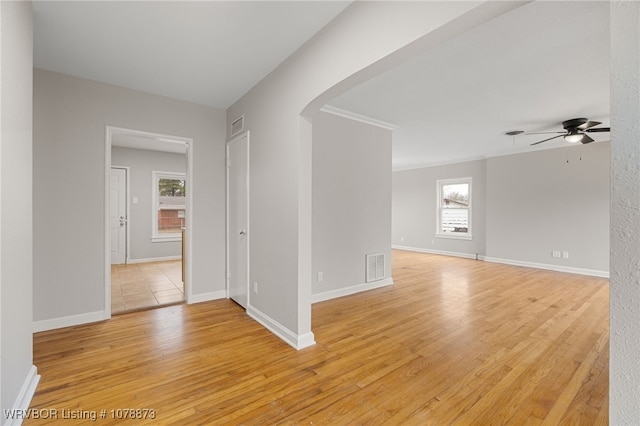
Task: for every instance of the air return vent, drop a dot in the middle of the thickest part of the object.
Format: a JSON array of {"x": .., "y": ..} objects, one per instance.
[
  {"x": 237, "y": 125},
  {"x": 375, "y": 267}
]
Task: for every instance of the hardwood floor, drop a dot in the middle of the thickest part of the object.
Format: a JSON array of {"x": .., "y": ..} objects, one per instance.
[
  {"x": 454, "y": 341},
  {"x": 137, "y": 286}
]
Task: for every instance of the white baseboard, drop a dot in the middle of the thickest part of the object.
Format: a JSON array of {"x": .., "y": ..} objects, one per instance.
[
  {"x": 23, "y": 400},
  {"x": 346, "y": 291},
  {"x": 207, "y": 297},
  {"x": 289, "y": 337},
  {"x": 558, "y": 268},
  {"x": 154, "y": 259},
  {"x": 68, "y": 321},
  {"x": 441, "y": 252}
]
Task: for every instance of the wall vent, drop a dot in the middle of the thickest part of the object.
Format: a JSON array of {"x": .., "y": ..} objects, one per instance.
[
  {"x": 375, "y": 267},
  {"x": 237, "y": 125}
]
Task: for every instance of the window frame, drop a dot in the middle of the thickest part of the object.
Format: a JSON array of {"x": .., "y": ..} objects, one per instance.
[
  {"x": 440, "y": 183},
  {"x": 156, "y": 236}
]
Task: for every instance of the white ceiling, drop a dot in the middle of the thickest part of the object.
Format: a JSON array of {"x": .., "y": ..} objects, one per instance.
[
  {"x": 207, "y": 52},
  {"x": 530, "y": 69}
]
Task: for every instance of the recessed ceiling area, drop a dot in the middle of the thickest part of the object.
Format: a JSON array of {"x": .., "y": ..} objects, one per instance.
[{"x": 530, "y": 69}]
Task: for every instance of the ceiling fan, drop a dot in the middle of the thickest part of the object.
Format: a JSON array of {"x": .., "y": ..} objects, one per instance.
[{"x": 576, "y": 131}]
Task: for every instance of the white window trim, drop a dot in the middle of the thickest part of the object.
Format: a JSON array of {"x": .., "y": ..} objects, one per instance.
[
  {"x": 155, "y": 177},
  {"x": 461, "y": 236}
]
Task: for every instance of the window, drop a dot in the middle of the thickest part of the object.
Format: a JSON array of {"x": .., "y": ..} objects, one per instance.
[
  {"x": 454, "y": 208},
  {"x": 169, "y": 195}
]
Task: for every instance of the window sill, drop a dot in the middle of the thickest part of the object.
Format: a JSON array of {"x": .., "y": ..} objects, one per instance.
[
  {"x": 455, "y": 237},
  {"x": 168, "y": 239}
]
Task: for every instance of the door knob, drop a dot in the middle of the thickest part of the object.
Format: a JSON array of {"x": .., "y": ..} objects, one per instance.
[{"x": 243, "y": 232}]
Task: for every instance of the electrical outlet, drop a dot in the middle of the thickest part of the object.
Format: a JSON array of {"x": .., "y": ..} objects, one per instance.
[
  {"x": 555, "y": 253},
  {"x": 402, "y": 239},
  {"x": 565, "y": 254},
  {"x": 255, "y": 287},
  {"x": 320, "y": 277}
]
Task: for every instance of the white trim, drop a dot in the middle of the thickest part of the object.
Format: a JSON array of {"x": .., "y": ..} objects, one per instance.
[
  {"x": 188, "y": 232},
  {"x": 557, "y": 268},
  {"x": 305, "y": 340},
  {"x": 154, "y": 259},
  {"x": 358, "y": 117},
  {"x": 442, "y": 163},
  {"x": 288, "y": 336},
  {"x": 108, "y": 134},
  {"x": 454, "y": 236},
  {"x": 346, "y": 291},
  {"x": 25, "y": 396},
  {"x": 71, "y": 320},
  {"x": 439, "y": 252},
  {"x": 172, "y": 239},
  {"x": 207, "y": 297}
]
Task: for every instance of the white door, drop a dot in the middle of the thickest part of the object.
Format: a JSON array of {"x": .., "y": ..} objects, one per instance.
[
  {"x": 118, "y": 216},
  {"x": 238, "y": 219}
]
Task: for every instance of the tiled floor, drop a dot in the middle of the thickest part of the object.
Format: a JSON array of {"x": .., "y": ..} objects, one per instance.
[{"x": 145, "y": 285}]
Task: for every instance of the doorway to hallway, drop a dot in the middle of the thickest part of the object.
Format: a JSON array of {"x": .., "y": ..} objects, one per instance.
[{"x": 154, "y": 268}]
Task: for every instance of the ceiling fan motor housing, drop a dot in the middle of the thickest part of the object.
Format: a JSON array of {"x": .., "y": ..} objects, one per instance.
[{"x": 574, "y": 123}]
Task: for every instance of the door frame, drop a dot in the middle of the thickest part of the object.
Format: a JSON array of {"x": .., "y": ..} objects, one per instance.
[
  {"x": 228, "y": 273},
  {"x": 127, "y": 209},
  {"x": 188, "y": 142}
]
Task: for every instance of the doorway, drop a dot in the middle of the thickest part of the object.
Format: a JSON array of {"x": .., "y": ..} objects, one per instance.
[
  {"x": 238, "y": 235},
  {"x": 147, "y": 266}
]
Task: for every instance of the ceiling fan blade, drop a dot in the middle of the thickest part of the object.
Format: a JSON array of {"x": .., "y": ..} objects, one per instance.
[
  {"x": 601, "y": 129},
  {"x": 559, "y": 136},
  {"x": 588, "y": 125},
  {"x": 586, "y": 139},
  {"x": 544, "y": 133}
]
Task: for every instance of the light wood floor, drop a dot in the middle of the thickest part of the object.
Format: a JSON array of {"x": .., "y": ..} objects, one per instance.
[
  {"x": 137, "y": 286},
  {"x": 454, "y": 341}
]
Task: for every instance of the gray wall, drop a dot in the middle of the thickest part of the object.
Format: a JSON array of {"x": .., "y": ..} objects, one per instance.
[
  {"x": 351, "y": 201},
  {"x": 538, "y": 202},
  {"x": 280, "y": 189},
  {"x": 141, "y": 164},
  {"x": 525, "y": 207},
  {"x": 16, "y": 244},
  {"x": 414, "y": 207},
  {"x": 70, "y": 115}
]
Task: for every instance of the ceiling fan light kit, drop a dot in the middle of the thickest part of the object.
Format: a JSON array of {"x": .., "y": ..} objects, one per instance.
[
  {"x": 576, "y": 131},
  {"x": 574, "y": 137}
]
